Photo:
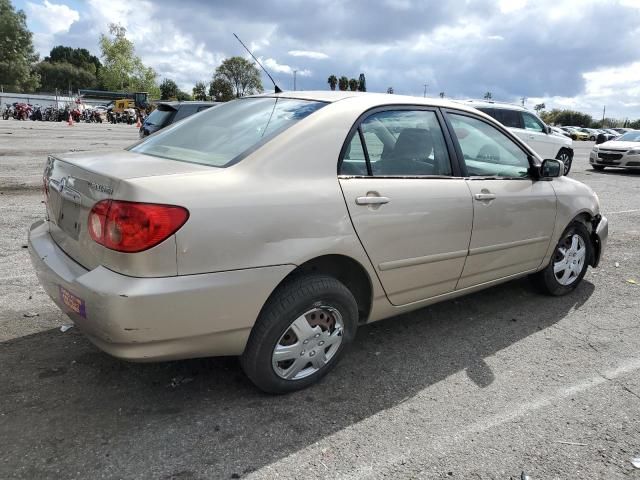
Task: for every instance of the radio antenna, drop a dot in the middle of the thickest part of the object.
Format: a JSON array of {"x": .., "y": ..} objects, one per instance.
[{"x": 277, "y": 88}]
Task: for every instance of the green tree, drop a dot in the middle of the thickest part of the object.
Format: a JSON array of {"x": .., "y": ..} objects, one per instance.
[
  {"x": 441, "y": 94},
  {"x": 567, "y": 117},
  {"x": 241, "y": 74},
  {"x": 68, "y": 68},
  {"x": 332, "y": 81},
  {"x": 64, "y": 76},
  {"x": 16, "y": 51},
  {"x": 362, "y": 83},
  {"x": 168, "y": 89},
  {"x": 122, "y": 68},
  {"x": 488, "y": 96},
  {"x": 635, "y": 124},
  {"x": 539, "y": 107},
  {"x": 343, "y": 83},
  {"x": 353, "y": 84},
  {"x": 200, "y": 91},
  {"x": 390, "y": 90},
  {"x": 220, "y": 90},
  {"x": 78, "y": 57},
  {"x": 182, "y": 96}
]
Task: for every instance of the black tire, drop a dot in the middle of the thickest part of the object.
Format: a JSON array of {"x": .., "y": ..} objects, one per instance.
[
  {"x": 289, "y": 302},
  {"x": 546, "y": 280},
  {"x": 566, "y": 158},
  {"x": 592, "y": 138},
  {"x": 598, "y": 168}
]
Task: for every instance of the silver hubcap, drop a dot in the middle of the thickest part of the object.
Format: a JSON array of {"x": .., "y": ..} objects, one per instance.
[
  {"x": 569, "y": 259},
  {"x": 308, "y": 344}
]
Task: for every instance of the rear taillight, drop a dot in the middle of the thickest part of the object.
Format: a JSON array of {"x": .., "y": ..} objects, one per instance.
[{"x": 133, "y": 227}]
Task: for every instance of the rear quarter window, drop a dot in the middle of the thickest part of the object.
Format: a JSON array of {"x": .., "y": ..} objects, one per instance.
[{"x": 509, "y": 118}]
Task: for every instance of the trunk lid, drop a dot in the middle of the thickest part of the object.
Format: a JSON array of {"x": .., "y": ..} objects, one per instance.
[{"x": 74, "y": 183}]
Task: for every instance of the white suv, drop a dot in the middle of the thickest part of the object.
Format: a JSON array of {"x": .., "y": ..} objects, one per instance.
[{"x": 530, "y": 129}]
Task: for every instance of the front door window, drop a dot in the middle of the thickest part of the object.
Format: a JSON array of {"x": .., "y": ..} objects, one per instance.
[{"x": 488, "y": 152}]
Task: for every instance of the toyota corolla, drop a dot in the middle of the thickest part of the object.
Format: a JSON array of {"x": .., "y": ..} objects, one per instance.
[{"x": 272, "y": 227}]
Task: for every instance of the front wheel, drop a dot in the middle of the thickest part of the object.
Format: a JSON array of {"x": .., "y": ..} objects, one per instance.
[
  {"x": 569, "y": 262},
  {"x": 300, "y": 334},
  {"x": 566, "y": 158}
]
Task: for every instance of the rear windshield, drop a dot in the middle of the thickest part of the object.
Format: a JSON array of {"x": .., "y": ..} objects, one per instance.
[
  {"x": 629, "y": 137},
  {"x": 161, "y": 116},
  {"x": 223, "y": 135}
]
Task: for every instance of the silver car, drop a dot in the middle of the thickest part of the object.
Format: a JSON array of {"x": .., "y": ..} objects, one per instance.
[
  {"x": 621, "y": 152},
  {"x": 271, "y": 227}
]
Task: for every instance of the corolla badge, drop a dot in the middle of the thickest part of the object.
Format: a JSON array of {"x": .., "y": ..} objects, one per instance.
[{"x": 101, "y": 188}]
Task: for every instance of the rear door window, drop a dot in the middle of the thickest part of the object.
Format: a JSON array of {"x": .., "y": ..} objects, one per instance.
[
  {"x": 403, "y": 143},
  {"x": 509, "y": 118},
  {"x": 354, "y": 161},
  {"x": 161, "y": 116}
]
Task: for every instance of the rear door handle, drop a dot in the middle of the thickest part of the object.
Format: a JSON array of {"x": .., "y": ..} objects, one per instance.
[
  {"x": 372, "y": 200},
  {"x": 483, "y": 197}
]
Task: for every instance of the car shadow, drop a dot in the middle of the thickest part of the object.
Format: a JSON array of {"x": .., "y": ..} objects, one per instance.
[
  {"x": 67, "y": 407},
  {"x": 617, "y": 171}
]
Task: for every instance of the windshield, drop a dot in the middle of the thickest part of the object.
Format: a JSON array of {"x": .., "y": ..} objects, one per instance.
[
  {"x": 629, "y": 137},
  {"x": 223, "y": 135}
]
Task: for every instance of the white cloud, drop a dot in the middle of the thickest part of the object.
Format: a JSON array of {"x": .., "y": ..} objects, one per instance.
[
  {"x": 508, "y": 6},
  {"x": 617, "y": 89},
  {"x": 273, "y": 65},
  {"x": 308, "y": 54},
  {"x": 53, "y": 17}
]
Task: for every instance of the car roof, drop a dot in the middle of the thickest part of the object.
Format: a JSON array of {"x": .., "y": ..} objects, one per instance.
[
  {"x": 368, "y": 99},
  {"x": 492, "y": 104}
]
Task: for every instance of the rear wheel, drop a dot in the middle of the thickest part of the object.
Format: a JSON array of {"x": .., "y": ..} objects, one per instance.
[
  {"x": 592, "y": 138},
  {"x": 300, "y": 334},
  {"x": 569, "y": 262},
  {"x": 566, "y": 158},
  {"x": 598, "y": 168}
]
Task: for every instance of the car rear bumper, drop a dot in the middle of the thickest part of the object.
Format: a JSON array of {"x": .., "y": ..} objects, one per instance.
[{"x": 147, "y": 319}]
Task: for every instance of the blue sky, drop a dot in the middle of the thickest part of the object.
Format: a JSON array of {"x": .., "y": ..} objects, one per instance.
[{"x": 567, "y": 53}]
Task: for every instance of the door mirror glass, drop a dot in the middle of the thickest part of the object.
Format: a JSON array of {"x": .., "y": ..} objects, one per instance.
[{"x": 551, "y": 168}]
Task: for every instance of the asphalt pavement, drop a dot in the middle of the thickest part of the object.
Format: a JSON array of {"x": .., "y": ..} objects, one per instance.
[{"x": 488, "y": 386}]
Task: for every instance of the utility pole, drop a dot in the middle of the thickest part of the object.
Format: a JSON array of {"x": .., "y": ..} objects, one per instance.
[
  {"x": 425, "y": 91},
  {"x": 294, "y": 80},
  {"x": 604, "y": 108},
  {"x": 523, "y": 99}
]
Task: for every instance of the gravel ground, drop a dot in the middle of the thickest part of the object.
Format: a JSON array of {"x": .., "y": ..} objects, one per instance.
[
  {"x": 24, "y": 146},
  {"x": 488, "y": 386}
]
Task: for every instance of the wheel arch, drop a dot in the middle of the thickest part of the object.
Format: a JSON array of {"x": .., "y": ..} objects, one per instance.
[
  {"x": 590, "y": 221},
  {"x": 344, "y": 269}
]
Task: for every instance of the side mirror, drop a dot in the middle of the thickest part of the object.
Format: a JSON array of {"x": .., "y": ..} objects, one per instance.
[{"x": 551, "y": 168}]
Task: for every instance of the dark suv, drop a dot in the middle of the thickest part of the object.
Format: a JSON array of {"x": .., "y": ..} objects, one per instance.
[{"x": 167, "y": 113}]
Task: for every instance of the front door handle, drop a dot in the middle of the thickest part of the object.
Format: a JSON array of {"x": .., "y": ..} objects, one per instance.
[
  {"x": 483, "y": 197},
  {"x": 372, "y": 200}
]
